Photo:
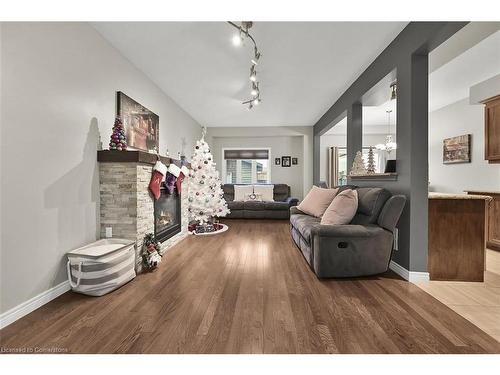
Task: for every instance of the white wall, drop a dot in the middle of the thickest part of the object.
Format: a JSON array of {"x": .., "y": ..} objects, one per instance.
[
  {"x": 283, "y": 141},
  {"x": 58, "y": 105},
  {"x": 457, "y": 119}
]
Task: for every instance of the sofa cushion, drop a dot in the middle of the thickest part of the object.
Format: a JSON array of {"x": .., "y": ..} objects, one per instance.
[
  {"x": 317, "y": 201},
  {"x": 370, "y": 203},
  {"x": 304, "y": 225},
  {"x": 228, "y": 190},
  {"x": 235, "y": 205},
  {"x": 342, "y": 209},
  {"x": 281, "y": 192},
  {"x": 258, "y": 206}
]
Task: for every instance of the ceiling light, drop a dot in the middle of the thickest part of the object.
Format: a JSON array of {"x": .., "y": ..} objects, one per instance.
[
  {"x": 255, "y": 90},
  {"x": 238, "y": 39},
  {"x": 389, "y": 144}
]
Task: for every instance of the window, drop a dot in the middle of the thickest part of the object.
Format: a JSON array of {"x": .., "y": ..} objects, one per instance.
[{"x": 248, "y": 166}]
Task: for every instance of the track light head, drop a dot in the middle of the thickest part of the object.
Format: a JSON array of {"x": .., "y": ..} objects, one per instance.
[{"x": 256, "y": 57}]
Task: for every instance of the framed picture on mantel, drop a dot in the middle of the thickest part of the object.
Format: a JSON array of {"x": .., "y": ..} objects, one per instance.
[
  {"x": 457, "y": 149},
  {"x": 141, "y": 125}
]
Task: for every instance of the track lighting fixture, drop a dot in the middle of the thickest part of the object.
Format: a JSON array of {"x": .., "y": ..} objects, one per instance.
[
  {"x": 255, "y": 90},
  {"x": 238, "y": 40},
  {"x": 256, "y": 56},
  {"x": 253, "y": 74}
]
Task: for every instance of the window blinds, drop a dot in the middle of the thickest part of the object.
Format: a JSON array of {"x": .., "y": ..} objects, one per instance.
[{"x": 246, "y": 154}]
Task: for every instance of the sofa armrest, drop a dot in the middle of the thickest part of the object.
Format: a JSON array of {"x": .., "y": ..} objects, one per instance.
[
  {"x": 292, "y": 201},
  {"x": 345, "y": 231},
  {"x": 295, "y": 211}
]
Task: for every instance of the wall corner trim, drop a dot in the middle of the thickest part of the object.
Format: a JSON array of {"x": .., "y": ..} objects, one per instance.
[
  {"x": 32, "y": 304},
  {"x": 411, "y": 276}
]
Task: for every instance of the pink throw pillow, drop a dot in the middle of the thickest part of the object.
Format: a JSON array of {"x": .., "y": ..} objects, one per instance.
[
  {"x": 342, "y": 209},
  {"x": 317, "y": 201}
]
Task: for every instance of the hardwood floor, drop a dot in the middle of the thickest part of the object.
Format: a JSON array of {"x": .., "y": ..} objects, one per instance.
[
  {"x": 249, "y": 290},
  {"x": 477, "y": 302}
]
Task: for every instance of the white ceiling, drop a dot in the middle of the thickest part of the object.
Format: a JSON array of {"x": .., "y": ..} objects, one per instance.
[
  {"x": 304, "y": 68},
  {"x": 451, "y": 82},
  {"x": 472, "y": 63}
]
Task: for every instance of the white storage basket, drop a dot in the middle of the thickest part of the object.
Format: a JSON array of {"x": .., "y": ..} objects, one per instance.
[{"x": 102, "y": 266}]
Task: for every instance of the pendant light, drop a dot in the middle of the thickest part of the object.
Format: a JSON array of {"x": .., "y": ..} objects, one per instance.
[{"x": 389, "y": 144}]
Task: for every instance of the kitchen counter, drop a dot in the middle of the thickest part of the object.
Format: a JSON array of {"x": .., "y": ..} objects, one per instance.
[
  {"x": 482, "y": 192},
  {"x": 493, "y": 226},
  {"x": 435, "y": 195}
]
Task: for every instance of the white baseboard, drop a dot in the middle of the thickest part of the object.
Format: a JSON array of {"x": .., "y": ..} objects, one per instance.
[
  {"x": 32, "y": 304},
  {"x": 411, "y": 276}
]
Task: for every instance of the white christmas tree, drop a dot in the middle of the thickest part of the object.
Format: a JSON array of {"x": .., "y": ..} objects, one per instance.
[
  {"x": 370, "y": 168},
  {"x": 205, "y": 195},
  {"x": 358, "y": 166}
]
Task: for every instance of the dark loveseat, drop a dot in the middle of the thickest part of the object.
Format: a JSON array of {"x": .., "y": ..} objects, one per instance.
[
  {"x": 361, "y": 248},
  {"x": 279, "y": 209}
]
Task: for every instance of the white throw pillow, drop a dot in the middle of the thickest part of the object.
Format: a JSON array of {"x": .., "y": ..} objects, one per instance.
[
  {"x": 265, "y": 191},
  {"x": 342, "y": 209},
  {"x": 240, "y": 191}
]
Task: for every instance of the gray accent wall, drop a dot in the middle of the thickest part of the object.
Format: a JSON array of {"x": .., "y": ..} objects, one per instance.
[{"x": 408, "y": 54}]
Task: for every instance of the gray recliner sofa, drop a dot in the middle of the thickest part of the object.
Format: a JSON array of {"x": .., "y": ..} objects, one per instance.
[
  {"x": 279, "y": 209},
  {"x": 361, "y": 248}
]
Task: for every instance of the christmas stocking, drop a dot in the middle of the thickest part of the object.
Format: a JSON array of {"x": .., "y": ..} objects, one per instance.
[
  {"x": 183, "y": 173},
  {"x": 172, "y": 177},
  {"x": 159, "y": 171}
]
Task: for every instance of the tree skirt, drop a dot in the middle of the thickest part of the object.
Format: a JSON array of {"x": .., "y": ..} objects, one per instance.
[{"x": 219, "y": 228}]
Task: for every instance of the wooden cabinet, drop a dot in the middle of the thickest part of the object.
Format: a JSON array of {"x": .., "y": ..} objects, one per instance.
[
  {"x": 457, "y": 237},
  {"x": 493, "y": 230},
  {"x": 492, "y": 130}
]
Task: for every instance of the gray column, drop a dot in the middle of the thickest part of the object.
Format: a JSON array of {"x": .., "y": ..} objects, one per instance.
[
  {"x": 412, "y": 160},
  {"x": 354, "y": 132}
]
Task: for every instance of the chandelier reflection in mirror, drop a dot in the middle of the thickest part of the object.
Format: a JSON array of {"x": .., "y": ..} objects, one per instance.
[
  {"x": 389, "y": 144},
  {"x": 238, "y": 40}
]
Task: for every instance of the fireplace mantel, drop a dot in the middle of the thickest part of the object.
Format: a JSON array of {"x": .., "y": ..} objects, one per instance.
[
  {"x": 126, "y": 205},
  {"x": 133, "y": 156}
]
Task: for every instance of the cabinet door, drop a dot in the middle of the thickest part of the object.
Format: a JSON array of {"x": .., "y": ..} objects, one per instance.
[{"x": 492, "y": 130}]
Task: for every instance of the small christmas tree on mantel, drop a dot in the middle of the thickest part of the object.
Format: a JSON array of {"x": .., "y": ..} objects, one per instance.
[
  {"x": 205, "y": 195},
  {"x": 370, "y": 168},
  {"x": 358, "y": 166},
  {"x": 117, "y": 140}
]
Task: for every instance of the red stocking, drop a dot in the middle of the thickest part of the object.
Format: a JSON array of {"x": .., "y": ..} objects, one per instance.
[
  {"x": 159, "y": 171},
  {"x": 183, "y": 173}
]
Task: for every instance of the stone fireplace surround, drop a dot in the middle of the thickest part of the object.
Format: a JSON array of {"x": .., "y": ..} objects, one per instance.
[{"x": 125, "y": 202}]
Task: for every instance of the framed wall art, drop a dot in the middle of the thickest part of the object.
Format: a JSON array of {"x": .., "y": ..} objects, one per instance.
[
  {"x": 286, "y": 161},
  {"x": 457, "y": 149},
  {"x": 141, "y": 125}
]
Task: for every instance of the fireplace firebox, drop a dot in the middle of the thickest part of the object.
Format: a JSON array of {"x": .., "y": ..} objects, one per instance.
[{"x": 167, "y": 215}]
